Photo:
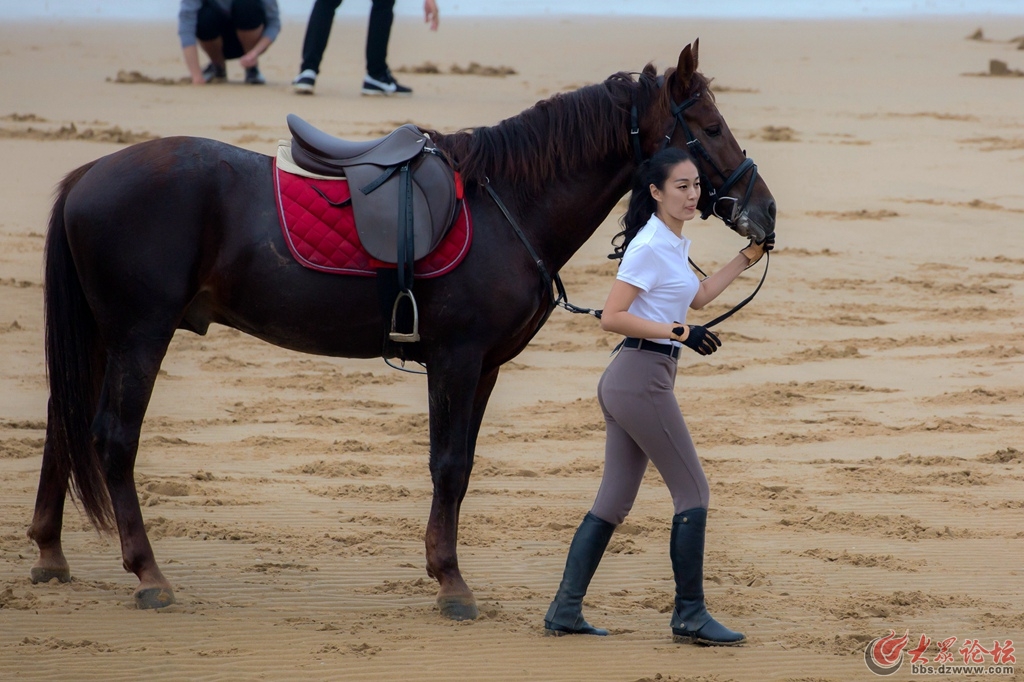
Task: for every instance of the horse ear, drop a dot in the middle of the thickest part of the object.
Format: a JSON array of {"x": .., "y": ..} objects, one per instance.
[{"x": 679, "y": 81}]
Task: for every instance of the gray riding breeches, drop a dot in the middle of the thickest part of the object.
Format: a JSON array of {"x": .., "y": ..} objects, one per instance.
[{"x": 644, "y": 422}]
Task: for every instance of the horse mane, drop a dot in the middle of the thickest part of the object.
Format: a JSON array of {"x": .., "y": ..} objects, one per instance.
[{"x": 568, "y": 131}]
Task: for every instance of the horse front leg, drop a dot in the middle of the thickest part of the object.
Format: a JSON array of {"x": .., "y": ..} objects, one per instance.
[{"x": 458, "y": 397}]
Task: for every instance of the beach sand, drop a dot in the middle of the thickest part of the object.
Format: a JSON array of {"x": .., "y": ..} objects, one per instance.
[{"x": 861, "y": 427}]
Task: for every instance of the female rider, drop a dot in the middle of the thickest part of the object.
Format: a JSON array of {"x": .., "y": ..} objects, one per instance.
[{"x": 648, "y": 304}]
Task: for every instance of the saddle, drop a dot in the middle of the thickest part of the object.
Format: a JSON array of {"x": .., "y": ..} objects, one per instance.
[{"x": 403, "y": 193}]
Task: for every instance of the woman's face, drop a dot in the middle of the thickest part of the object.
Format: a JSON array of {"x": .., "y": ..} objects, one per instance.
[{"x": 677, "y": 199}]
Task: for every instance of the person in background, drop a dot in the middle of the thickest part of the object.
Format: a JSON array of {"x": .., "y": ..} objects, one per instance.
[
  {"x": 227, "y": 29},
  {"x": 647, "y": 304},
  {"x": 378, "y": 79}
]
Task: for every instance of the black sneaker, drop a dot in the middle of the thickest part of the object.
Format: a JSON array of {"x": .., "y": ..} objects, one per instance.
[
  {"x": 305, "y": 82},
  {"x": 386, "y": 85},
  {"x": 215, "y": 74},
  {"x": 254, "y": 77}
]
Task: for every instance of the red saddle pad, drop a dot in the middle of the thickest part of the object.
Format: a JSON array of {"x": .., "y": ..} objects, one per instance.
[{"x": 323, "y": 237}]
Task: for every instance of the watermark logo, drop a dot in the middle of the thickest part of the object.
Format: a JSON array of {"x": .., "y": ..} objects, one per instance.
[{"x": 885, "y": 655}]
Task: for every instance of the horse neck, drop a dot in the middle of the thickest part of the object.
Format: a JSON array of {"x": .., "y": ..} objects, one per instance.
[{"x": 572, "y": 209}]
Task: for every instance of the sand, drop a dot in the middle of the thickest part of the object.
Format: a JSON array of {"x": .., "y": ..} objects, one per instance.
[{"x": 861, "y": 428}]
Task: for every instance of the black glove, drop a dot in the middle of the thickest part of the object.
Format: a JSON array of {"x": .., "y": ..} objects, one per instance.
[{"x": 701, "y": 339}]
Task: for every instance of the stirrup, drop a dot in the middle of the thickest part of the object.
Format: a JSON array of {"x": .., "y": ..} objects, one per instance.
[{"x": 400, "y": 337}]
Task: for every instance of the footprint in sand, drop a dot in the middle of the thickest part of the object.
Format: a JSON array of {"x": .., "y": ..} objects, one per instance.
[
  {"x": 776, "y": 134},
  {"x": 472, "y": 69},
  {"x": 135, "y": 77},
  {"x": 844, "y": 558},
  {"x": 862, "y": 214},
  {"x": 70, "y": 131}
]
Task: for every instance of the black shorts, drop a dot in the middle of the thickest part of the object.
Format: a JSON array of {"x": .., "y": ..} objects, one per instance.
[{"x": 213, "y": 23}]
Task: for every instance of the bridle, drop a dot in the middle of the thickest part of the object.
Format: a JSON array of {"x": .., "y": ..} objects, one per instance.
[
  {"x": 715, "y": 195},
  {"x": 702, "y": 159}
]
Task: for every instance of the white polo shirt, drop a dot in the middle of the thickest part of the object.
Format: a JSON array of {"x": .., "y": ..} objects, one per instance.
[{"x": 657, "y": 262}]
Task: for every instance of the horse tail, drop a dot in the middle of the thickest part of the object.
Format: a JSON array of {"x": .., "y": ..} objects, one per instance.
[{"x": 74, "y": 365}]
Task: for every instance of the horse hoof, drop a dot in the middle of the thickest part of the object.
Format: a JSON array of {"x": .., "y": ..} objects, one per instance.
[
  {"x": 40, "y": 574},
  {"x": 154, "y": 598},
  {"x": 458, "y": 608}
]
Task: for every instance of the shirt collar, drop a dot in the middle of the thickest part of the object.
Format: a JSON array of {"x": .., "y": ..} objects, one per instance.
[{"x": 677, "y": 242}]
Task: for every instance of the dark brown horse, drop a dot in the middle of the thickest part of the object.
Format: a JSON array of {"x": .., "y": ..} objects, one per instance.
[{"x": 179, "y": 233}]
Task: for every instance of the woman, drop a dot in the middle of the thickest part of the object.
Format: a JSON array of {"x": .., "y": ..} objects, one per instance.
[{"x": 648, "y": 304}]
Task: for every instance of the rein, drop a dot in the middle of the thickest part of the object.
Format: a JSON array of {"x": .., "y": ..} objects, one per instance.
[
  {"x": 726, "y": 315},
  {"x": 701, "y": 155},
  {"x": 562, "y": 299}
]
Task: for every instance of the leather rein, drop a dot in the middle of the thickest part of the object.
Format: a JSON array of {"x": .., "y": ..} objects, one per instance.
[{"x": 715, "y": 195}]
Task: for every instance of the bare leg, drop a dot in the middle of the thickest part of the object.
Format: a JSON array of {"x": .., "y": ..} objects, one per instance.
[
  {"x": 458, "y": 397},
  {"x": 249, "y": 37},
  {"x": 214, "y": 49}
]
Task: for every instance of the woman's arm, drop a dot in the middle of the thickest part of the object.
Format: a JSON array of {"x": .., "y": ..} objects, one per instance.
[
  {"x": 715, "y": 284},
  {"x": 616, "y": 316}
]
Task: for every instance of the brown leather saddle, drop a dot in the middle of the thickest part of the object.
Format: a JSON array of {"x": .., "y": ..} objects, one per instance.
[{"x": 403, "y": 195}]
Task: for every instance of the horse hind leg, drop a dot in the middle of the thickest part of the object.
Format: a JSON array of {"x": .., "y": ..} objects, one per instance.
[
  {"x": 127, "y": 387},
  {"x": 47, "y": 520},
  {"x": 54, "y": 477}
]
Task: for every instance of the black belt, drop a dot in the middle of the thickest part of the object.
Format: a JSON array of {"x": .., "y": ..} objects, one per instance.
[{"x": 670, "y": 350}]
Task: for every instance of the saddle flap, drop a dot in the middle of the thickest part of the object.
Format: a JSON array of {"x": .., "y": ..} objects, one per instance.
[
  {"x": 317, "y": 151},
  {"x": 434, "y": 203}
]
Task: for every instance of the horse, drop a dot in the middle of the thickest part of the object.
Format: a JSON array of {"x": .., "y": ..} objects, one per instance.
[{"x": 181, "y": 232}]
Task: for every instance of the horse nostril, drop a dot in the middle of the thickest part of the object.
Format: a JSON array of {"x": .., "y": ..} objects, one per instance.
[{"x": 771, "y": 211}]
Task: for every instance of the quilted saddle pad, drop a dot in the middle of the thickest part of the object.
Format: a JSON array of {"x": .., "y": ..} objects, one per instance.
[{"x": 320, "y": 230}]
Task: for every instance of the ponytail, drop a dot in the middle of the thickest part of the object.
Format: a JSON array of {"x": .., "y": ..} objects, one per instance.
[{"x": 653, "y": 171}]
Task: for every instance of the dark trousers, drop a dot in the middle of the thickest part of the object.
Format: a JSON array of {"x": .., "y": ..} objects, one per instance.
[
  {"x": 213, "y": 23},
  {"x": 318, "y": 30}
]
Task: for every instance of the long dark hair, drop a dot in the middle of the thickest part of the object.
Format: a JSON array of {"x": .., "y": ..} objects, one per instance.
[{"x": 653, "y": 171}]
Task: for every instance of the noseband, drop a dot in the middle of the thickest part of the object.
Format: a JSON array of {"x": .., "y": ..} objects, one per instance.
[{"x": 702, "y": 159}]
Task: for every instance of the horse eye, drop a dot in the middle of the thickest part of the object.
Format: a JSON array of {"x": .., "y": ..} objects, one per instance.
[{"x": 713, "y": 131}]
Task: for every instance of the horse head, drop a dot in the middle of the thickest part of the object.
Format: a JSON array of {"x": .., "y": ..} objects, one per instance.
[{"x": 683, "y": 114}]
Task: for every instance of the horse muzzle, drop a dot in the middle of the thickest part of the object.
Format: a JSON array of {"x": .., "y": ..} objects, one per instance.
[{"x": 733, "y": 213}]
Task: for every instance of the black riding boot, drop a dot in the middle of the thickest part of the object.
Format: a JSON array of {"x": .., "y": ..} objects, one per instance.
[
  {"x": 691, "y": 621},
  {"x": 565, "y": 616}
]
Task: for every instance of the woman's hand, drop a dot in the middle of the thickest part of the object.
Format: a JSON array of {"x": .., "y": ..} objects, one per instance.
[
  {"x": 697, "y": 338},
  {"x": 754, "y": 251}
]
